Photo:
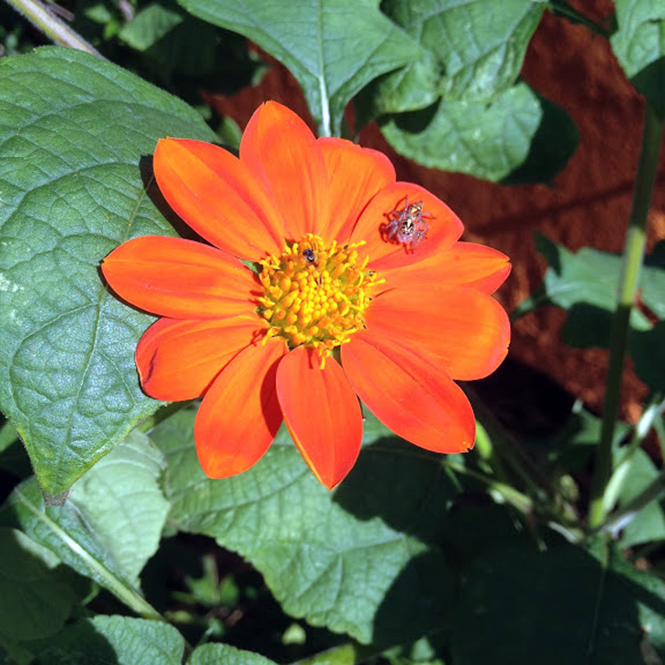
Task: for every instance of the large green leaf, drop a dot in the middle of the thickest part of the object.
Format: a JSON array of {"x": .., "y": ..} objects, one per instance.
[
  {"x": 639, "y": 44},
  {"x": 75, "y": 137},
  {"x": 111, "y": 523},
  {"x": 333, "y": 47},
  {"x": 479, "y": 45},
  {"x": 556, "y": 607},
  {"x": 114, "y": 640},
  {"x": 350, "y": 560},
  {"x": 490, "y": 141}
]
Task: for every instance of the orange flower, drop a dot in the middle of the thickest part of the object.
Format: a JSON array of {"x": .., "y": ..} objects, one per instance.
[{"x": 359, "y": 288}]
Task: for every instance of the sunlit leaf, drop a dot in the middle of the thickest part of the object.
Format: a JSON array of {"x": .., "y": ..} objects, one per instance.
[
  {"x": 333, "y": 47},
  {"x": 214, "y": 654},
  {"x": 351, "y": 559},
  {"x": 75, "y": 139},
  {"x": 639, "y": 44},
  {"x": 479, "y": 45},
  {"x": 488, "y": 141},
  {"x": 111, "y": 523}
]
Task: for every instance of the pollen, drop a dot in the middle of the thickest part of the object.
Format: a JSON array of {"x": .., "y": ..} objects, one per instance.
[{"x": 315, "y": 295}]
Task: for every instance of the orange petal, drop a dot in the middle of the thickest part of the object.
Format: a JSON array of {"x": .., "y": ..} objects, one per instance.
[
  {"x": 240, "y": 414},
  {"x": 464, "y": 264},
  {"x": 217, "y": 196},
  {"x": 181, "y": 279},
  {"x": 410, "y": 396},
  {"x": 322, "y": 413},
  {"x": 178, "y": 360},
  {"x": 279, "y": 147},
  {"x": 355, "y": 175},
  {"x": 467, "y": 332},
  {"x": 444, "y": 227}
]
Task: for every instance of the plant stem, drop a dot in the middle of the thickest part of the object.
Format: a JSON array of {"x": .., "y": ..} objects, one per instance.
[
  {"x": 652, "y": 410},
  {"x": 626, "y": 514},
  {"x": 55, "y": 29},
  {"x": 628, "y": 279}
]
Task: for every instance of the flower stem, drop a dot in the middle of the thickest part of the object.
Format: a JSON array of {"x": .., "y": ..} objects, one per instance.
[
  {"x": 628, "y": 279},
  {"x": 55, "y": 29}
]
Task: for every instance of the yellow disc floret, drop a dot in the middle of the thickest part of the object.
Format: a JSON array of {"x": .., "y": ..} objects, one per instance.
[{"x": 315, "y": 294}]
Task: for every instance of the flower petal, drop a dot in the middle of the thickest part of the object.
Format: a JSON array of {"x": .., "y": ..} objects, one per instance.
[
  {"x": 444, "y": 227},
  {"x": 240, "y": 414},
  {"x": 467, "y": 331},
  {"x": 322, "y": 413},
  {"x": 181, "y": 279},
  {"x": 464, "y": 264},
  {"x": 355, "y": 175},
  {"x": 218, "y": 197},
  {"x": 280, "y": 148},
  {"x": 177, "y": 360},
  {"x": 412, "y": 397}
]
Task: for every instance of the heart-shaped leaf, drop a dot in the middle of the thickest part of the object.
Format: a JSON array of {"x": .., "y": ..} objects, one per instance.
[
  {"x": 488, "y": 141},
  {"x": 75, "y": 141},
  {"x": 478, "y": 44}
]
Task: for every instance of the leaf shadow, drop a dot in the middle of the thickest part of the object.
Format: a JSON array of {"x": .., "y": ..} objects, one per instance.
[
  {"x": 404, "y": 486},
  {"x": 650, "y": 82},
  {"x": 78, "y": 643},
  {"x": 155, "y": 195},
  {"x": 577, "y": 611}
]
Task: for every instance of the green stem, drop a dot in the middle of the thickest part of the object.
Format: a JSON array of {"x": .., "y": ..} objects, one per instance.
[
  {"x": 55, "y": 29},
  {"x": 628, "y": 280},
  {"x": 115, "y": 585},
  {"x": 652, "y": 410},
  {"x": 627, "y": 513},
  {"x": 512, "y": 496}
]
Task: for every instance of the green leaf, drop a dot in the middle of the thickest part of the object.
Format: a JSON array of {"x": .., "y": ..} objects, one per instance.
[
  {"x": 585, "y": 284},
  {"x": 41, "y": 598},
  {"x": 639, "y": 44},
  {"x": 649, "y": 524},
  {"x": 75, "y": 138},
  {"x": 122, "y": 503},
  {"x": 479, "y": 45},
  {"x": 332, "y": 47},
  {"x": 558, "y": 604},
  {"x": 111, "y": 523},
  {"x": 114, "y": 640},
  {"x": 214, "y": 654},
  {"x": 486, "y": 141},
  {"x": 150, "y": 25},
  {"x": 351, "y": 559}
]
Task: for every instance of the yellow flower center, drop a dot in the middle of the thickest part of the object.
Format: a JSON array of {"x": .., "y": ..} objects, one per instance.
[{"x": 315, "y": 294}]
